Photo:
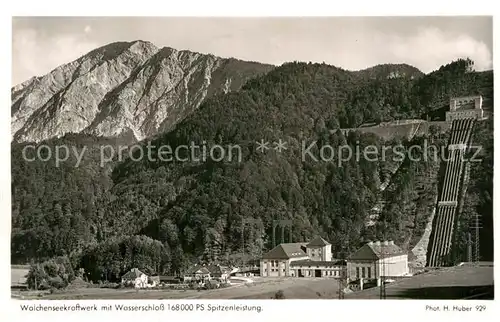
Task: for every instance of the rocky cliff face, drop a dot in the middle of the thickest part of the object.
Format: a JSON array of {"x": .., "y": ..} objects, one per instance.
[{"x": 122, "y": 88}]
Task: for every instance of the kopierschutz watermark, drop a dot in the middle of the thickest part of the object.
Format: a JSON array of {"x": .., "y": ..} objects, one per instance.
[{"x": 311, "y": 151}]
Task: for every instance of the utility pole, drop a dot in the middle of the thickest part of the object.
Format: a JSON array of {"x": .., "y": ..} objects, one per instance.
[
  {"x": 287, "y": 223},
  {"x": 382, "y": 281},
  {"x": 469, "y": 248},
  {"x": 341, "y": 287},
  {"x": 282, "y": 223},
  {"x": 275, "y": 224},
  {"x": 476, "y": 226},
  {"x": 243, "y": 238},
  {"x": 382, "y": 269}
]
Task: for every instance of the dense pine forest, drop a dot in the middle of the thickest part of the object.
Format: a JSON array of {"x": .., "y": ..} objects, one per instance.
[{"x": 162, "y": 216}]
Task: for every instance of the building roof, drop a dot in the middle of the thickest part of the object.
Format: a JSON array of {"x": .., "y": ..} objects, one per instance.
[
  {"x": 377, "y": 250},
  {"x": 318, "y": 263},
  {"x": 132, "y": 274},
  {"x": 286, "y": 251},
  {"x": 318, "y": 241},
  {"x": 466, "y": 97},
  {"x": 164, "y": 278},
  {"x": 197, "y": 269},
  {"x": 217, "y": 269}
]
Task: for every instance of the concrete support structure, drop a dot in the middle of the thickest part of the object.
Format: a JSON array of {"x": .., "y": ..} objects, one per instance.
[{"x": 465, "y": 107}]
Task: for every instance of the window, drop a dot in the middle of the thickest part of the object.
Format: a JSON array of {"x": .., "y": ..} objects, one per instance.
[
  {"x": 369, "y": 272},
  {"x": 363, "y": 272},
  {"x": 357, "y": 272}
]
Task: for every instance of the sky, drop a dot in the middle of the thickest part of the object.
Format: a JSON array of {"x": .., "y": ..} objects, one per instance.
[{"x": 40, "y": 44}]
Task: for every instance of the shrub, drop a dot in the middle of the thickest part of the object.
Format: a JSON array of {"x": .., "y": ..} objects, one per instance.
[
  {"x": 280, "y": 295},
  {"x": 56, "y": 282}
]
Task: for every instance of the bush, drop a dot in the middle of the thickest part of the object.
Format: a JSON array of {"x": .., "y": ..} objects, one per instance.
[
  {"x": 280, "y": 295},
  {"x": 54, "y": 273},
  {"x": 56, "y": 282},
  {"x": 37, "y": 277}
]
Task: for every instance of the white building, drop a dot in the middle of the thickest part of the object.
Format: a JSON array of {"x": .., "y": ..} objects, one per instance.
[
  {"x": 136, "y": 278},
  {"x": 310, "y": 268},
  {"x": 377, "y": 260},
  {"x": 313, "y": 259},
  {"x": 319, "y": 250},
  {"x": 277, "y": 261}
]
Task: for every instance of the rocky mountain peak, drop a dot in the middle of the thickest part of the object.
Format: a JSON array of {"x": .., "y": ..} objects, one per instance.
[{"x": 122, "y": 87}]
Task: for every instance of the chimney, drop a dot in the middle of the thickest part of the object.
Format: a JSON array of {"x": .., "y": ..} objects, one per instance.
[
  {"x": 370, "y": 243},
  {"x": 391, "y": 242},
  {"x": 386, "y": 243},
  {"x": 377, "y": 243}
]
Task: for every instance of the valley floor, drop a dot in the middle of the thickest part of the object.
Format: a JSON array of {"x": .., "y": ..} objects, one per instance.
[
  {"x": 260, "y": 288},
  {"x": 447, "y": 283},
  {"x": 461, "y": 282}
]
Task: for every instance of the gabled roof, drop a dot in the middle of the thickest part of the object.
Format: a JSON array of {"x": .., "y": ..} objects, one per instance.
[
  {"x": 286, "y": 251},
  {"x": 197, "y": 269},
  {"x": 217, "y": 269},
  {"x": 378, "y": 250},
  {"x": 318, "y": 242},
  {"x": 132, "y": 274}
]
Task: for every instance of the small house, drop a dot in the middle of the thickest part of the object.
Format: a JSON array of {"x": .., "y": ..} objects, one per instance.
[
  {"x": 197, "y": 273},
  {"x": 136, "y": 278},
  {"x": 218, "y": 272},
  {"x": 153, "y": 281},
  {"x": 170, "y": 280}
]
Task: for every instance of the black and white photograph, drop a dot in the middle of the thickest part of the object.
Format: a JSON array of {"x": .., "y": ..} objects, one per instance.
[{"x": 251, "y": 158}]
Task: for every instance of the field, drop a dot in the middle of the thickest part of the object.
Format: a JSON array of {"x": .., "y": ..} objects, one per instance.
[
  {"x": 18, "y": 274},
  {"x": 304, "y": 288}
]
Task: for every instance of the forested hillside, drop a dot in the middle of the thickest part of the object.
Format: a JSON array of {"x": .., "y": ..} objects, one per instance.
[{"x": 197, "y": 210}]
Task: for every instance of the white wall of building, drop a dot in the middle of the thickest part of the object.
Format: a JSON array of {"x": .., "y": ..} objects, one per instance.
[
  {"x": 391, "y": 266},
  {"x": 319, "y": 253},
  {"x": 277, "y": 267},
  {"x": 310, "y": 271}
]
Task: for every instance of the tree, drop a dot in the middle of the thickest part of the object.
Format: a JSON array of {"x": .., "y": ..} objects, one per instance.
[{"x": 279, "y": 295}]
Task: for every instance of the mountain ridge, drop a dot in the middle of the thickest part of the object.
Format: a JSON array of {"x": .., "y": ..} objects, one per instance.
[{"x": 136, "y": 87}]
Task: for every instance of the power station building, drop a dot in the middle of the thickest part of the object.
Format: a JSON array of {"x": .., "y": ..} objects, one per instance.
[
  {"x": 465, "y": 107},
  {"x": 313, "y": 259},
  {"x": 373, "y": 261},
  {"x": 376, "y": 260}
]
